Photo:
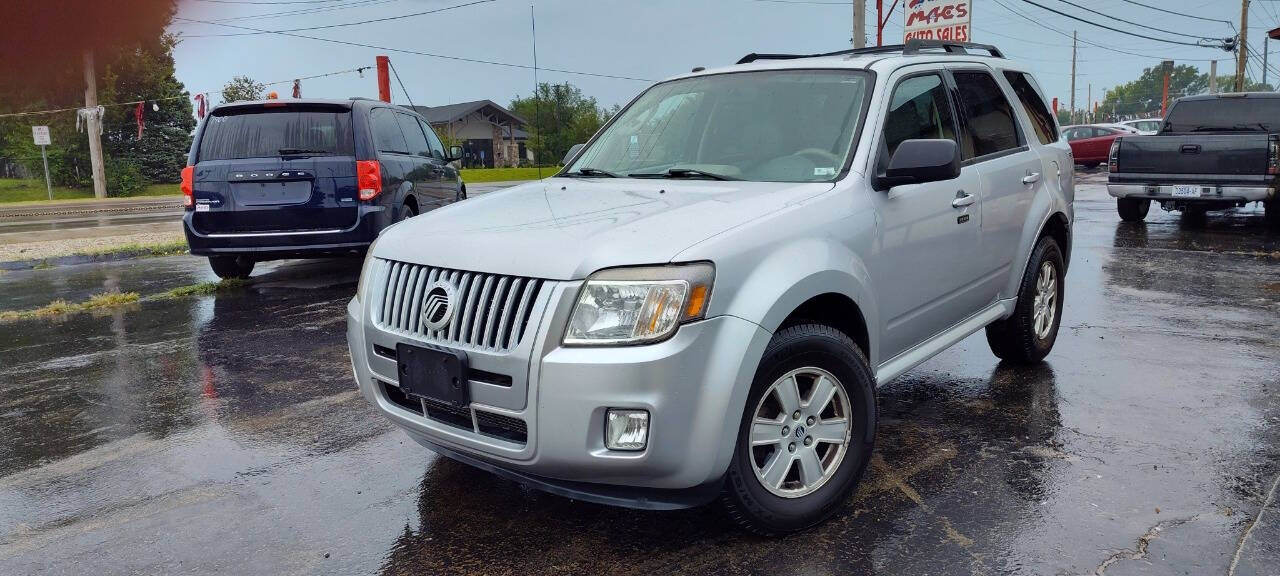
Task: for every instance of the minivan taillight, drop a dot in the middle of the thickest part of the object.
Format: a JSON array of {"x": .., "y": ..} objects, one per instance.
[
  {"x": 1273, "y": 154},
  {"x": 188, "y": 181},
  {"x": 369, "y": 178},
  {"x": 1113, "y": 157}
]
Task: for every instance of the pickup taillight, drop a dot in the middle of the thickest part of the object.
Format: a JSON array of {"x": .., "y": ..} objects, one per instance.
[
  {"x": 1113, "y": 157},
  {"x": 1273, "y": 154}
]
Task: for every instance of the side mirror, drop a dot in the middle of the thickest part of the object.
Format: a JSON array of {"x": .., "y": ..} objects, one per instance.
[
  {"x": 573, "y": 151},
  {"x": 455, "y": 154},
  {"x": 920, "y": 161}
]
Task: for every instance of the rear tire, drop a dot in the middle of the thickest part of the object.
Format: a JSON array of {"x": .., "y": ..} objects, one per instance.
[
  {"x": 812, "y": 360},
  {"x": 231, "y": 267},
  {"x": 406, "y": 212},
  {"x": 1195, "y": 217},
  {"x": 1273, "y": 214},
  {"x": 1027, "y": 336},
  {"x": 1133, "y": 209}
]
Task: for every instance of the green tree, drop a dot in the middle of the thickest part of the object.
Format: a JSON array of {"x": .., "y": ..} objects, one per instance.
[
  {"x": 558, "y": 117},
  {"x": 242, "y": 88},
  {"x": 146, "y": 72},
  {"x": 1142, "y": 97}
]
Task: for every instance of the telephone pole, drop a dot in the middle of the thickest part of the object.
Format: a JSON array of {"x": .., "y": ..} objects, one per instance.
[
  {"x": 1213, "y": 76},
  {"x": 94, "y": 124},
  {"x": 1242, "y": 45},
  {"x": 859, "y": 23},
  {"x": 1088, "y": 105},
  {"x": 1073, "y": 77}
]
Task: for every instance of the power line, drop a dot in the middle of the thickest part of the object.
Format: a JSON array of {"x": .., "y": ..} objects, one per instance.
[
  {"x": 1084, "y": 41},
  {"x": 301, "y": 11},
  {"x": 270, "y": 3},
  {"x": 418, "y": 53},
  {"x": 1158, "y": 9},
  {"x": 344, "y": 24},
  {"x": 1086, "y": 9},
  {"x": 1104, "y": 26},
  {"x": 400, "y": 82}
]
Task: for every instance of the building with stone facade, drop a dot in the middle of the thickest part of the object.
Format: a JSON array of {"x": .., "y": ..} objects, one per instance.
[{"x": 491, "y": 136}]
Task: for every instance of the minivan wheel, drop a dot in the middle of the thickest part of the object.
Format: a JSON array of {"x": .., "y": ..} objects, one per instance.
[
  {"x": 407, "y": 212},
  {"x": 228, "y": 267},
  {"x": 1133, "y": 209},
  {"x": 807, "y": 432},
  {"x": 1028, "y": 335}
]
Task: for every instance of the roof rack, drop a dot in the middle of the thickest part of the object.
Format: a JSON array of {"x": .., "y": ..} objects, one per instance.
[{"x": 913, "y": 46}]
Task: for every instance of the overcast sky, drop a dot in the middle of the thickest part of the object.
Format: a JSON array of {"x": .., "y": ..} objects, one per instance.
[{"x": 651, "y": 39}]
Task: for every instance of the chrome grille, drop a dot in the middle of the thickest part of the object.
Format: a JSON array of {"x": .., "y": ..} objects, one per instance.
[{"x": 493, "y": 311}]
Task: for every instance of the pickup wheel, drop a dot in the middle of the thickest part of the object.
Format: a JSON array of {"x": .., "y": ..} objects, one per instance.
[
  {"x": 1133, "y": 209},
  {"x": 806, "y": 434},
  {"x": 1273, "y": 214},
  {"x": 229, "y": 267},
  {"x": 1028, "y": 335}
]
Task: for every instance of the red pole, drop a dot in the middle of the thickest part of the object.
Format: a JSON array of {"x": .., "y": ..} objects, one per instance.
[
  {"x": 879, "y": 22},
  {"x": 1164, "y": 98},
  {"x": 384, "y": 79},
  {"x": 1055, "y": 106}
]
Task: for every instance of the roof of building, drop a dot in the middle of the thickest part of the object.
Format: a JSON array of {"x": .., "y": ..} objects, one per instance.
[{"x": 455, "y": 112}]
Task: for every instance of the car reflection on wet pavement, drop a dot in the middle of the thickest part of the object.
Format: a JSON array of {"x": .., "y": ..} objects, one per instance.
[{"x": 223, "y": 434}]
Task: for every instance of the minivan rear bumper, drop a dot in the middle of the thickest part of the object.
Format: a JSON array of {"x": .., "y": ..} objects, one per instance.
[{"x": 290, "y": 244}]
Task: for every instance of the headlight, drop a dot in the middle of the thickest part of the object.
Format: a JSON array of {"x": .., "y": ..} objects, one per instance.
[
  {"x": 364, "y": 271},
  {"x": 639, "y": 305}
]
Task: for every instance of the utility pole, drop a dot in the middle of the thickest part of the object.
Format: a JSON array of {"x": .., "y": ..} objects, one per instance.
[
  {"x": 94, "y": 126},
  {"x": 1213, "y": 76},
  {"x": 879, "y": 22},
  {"x": 859, "y": 23},
  {"x": 1073, "y": 77},
  {"x": 1265, "y": 50},
  {"x": 1242, "y": 45},
  {"x": 1088, "y": 105}
]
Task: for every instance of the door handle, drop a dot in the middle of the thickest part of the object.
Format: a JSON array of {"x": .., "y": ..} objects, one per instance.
[
  {"x": 963, "y": 199},
  {"x": 1031, "y": 178}
]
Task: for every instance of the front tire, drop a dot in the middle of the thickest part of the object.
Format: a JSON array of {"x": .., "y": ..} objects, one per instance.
[
  {"x": 1133, "y": 209},
  {"x": 231, "y": 267},
  {"x": 1028, "y": 335},
  {"x": 807, "y": 432}
]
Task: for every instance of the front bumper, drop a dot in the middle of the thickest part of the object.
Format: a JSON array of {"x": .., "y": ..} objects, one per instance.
[
  {"x": 694, "y": 386},
  {"x": 1209, "y": 193}
]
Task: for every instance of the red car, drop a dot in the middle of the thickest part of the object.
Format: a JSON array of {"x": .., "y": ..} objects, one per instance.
[{"x": 1090, "y": 144}]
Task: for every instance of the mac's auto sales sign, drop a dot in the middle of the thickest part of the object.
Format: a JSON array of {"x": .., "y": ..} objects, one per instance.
[{"x": 938, "y": 20}]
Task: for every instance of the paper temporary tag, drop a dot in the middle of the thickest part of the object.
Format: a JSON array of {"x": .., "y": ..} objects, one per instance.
[{"x": 824, "y": 171}]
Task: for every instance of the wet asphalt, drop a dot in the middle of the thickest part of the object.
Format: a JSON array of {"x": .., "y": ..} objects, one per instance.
[{"x": 222, "y": 435}]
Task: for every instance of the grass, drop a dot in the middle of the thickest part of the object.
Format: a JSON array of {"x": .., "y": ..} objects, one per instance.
[
  {"x": 63, "y": 308},
  {"x": 15, "y": 190},
  {"x": 203, "y": 288},
  {"x": 504, "y": 174},
  {"x": 135, "y": 249}
]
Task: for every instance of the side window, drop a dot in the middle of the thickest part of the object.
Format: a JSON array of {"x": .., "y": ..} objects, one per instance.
[
  {"x": 1041, "y": 120},
  {"x": 989, "y": 117},
  {"x": 437, "y": 149},
  {"x": 386, "y": 132},
  {"x": 918, "y": 109},
  {"x": 413, "y": 136},
  {"x": 1072, "y": 134}
]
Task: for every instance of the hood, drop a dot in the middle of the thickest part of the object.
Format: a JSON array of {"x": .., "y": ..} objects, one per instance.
[{"x": 567, "y": 228}]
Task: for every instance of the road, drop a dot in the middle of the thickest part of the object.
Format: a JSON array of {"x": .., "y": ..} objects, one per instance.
[{"x": 222, "y": 435}]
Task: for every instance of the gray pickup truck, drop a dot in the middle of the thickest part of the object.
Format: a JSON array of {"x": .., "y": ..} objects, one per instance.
[{"x": 1213, "y": 152}]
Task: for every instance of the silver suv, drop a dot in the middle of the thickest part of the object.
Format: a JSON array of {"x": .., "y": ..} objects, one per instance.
[{"x": 701, "y": 304}]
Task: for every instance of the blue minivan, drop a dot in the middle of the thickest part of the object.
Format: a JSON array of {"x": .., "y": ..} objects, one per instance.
[{"x": 276, "y": 179}]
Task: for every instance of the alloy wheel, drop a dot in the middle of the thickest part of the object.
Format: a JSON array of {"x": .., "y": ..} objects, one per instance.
[{"x": 800, "y": 431}]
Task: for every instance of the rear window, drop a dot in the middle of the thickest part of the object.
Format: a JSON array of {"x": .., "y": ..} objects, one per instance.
[
  {"x": 265, "y": 133},
  {"x": 1225, "y": 115}
]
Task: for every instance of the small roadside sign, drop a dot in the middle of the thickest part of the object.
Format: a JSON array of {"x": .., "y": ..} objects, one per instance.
[{"x": 41, "y": 135}]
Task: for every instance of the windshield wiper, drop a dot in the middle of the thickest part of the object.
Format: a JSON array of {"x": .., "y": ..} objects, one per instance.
[
  {"x": 591, "y": 173},
  {"x": 300, "y": 151},
  {"x": 682, "y": 173}
]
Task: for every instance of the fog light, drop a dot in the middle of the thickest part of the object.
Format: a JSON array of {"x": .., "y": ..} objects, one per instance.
[{"x": 626, "y": 429}]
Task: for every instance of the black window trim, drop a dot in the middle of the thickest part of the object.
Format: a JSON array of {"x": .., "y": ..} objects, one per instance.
[
  {"x": 416, "y": 122},
  {"x": 964, "y": 117},
  {"x": 882, "y": 147}
]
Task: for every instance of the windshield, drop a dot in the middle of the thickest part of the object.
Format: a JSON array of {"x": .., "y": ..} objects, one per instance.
[
  {"x": 769, "y": 126},
  {"x": 266, "y": 132},
  {"x": 1225, "y": 115}
]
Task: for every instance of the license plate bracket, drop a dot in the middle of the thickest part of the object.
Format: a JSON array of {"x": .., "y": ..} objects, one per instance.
[
  {"x": 434, "y": 373},
  {"x": 1186, "y": 191}
]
